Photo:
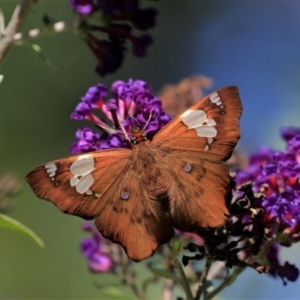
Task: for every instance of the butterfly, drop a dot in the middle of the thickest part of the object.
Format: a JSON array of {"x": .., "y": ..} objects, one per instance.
[{"x": 138, "y": 196}]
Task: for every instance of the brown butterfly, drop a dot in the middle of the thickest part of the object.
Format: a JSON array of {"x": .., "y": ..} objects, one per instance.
[{"x": 138, "y": 195}]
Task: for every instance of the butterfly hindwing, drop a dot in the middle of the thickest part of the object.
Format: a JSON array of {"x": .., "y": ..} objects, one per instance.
[
  {"x": 210, "y": 127},
  {"x": 197, "y": 191},
  {"x": 133, "y": 217}
]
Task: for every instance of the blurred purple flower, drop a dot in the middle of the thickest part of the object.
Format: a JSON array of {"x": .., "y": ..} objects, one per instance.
[
  {"x": 140, "y": 44},
  {"x": 276, "y": 174},
  {"x": 94, "y": 250},
  {"x": 110, "y": 52},
  {"x": 83, "y": 7},
  {"x": 128, "y": 10},
  {"x": 264, "y": 214},
  {"x": 288, "y": 133},
  {"x": 132, "y": 98},
  {"x": 287, "y": 271},
  {"x": 275, "y": 199}
]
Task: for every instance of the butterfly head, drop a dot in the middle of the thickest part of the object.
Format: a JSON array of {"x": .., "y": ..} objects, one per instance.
[{"x": 137, "y": 134}]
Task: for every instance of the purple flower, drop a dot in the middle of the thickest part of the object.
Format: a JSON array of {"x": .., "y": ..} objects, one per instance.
[
  {"x": 83, "y": 7},
  {"x": 95, "y": 251},
  {"x": 132, "y": 103},
  {"x": 288, "y": 133},
  {"x": 115, "y": 16},
  {"x": 94, "y": 98},
  {"x": 286, "y": 271},
  {"x": 140, "y": 44},
  {"x": 128, "y": 10},
  {"x": 276, "y": 174},
  {"x": 144, "y": 19},
  {"x": 87, "y": 141},
  {"x": 95, "y": 95},
  {"x": 109, "y": 54}
]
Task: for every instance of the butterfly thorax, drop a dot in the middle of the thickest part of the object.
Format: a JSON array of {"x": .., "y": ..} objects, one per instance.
[
  {"x": 149, "y": 166},
  {"x": 137, "y": 136}
]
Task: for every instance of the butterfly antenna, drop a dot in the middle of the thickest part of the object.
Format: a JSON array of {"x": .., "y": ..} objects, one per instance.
[
  {"x": 125, "y": 133},
  {"x": 150, "y": 116},
  {"x": 108, "y": 129},
  {"x": 111, "y": 130}
]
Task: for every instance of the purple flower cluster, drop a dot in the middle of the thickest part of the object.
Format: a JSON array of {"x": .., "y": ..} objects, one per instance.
[
  {"x": 264, "y": 214},
  {"x": 110, "y": 52},
  {"x": 132, "y": 98},
  {"x": 276, "y": 175},
  {"x": 96, "y": 250},
  {"x": 275, "y": 178}
]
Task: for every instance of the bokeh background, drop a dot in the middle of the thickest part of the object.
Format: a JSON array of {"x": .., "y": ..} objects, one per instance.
[{"x": 252, "y": 44}]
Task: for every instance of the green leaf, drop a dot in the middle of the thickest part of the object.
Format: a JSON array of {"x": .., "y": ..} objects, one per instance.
[
  {"x": 176, "y": 246},
  {"x": 165, "y": 274},
  {"x": 146, "y": 283},
  {"x": 14, "y": 225},
  {"x": 119, "y": 294}
]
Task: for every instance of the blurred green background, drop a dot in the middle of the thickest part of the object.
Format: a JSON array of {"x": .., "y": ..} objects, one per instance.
[{"x": 253, "y": 44}]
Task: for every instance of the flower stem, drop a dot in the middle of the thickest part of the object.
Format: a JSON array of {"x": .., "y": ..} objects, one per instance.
[
  {"x": 129, "y": 279},
  {"x": 169, "y": 283},
  {"x": 168, "y": 289},
  {"x": 13, "y": 26},
  {"x": 203, "y": 279},
  {"x": 227, "y": 281},
  {"x": 184, "y": 280}
]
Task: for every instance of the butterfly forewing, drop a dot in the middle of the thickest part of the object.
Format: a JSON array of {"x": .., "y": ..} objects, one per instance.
[
  {"x": 197, "y": 143},
  {"x": 210, "y": 127},
  {"x": 75, "y": 184}
]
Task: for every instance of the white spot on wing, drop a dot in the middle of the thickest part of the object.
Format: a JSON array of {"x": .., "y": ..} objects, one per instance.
[
  {"x": 216, "y": 99},
  {"x": 206, "y": 131},
  {"x": 188, "y": 168},
  {"x": 203, "y": 125},
  {"x": 187, "y": 112},
  {"x": 82, "y": 166},
  {"x": 209, "y": 140},
  {"x": 213, "y": 96},
  {"x": 74, "y": 181},
  {"x": 89, "y": 192},
  {"x": 84, "y": 183},
  {"x": 81, "y": 170},
  {"x": 125, "y": 195},
  {"x": 195, "y": 118},
  {"x": 84, "y": 156},
  {"x": 211, "y": 122},
  {"x": 51, "y": 169}
]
